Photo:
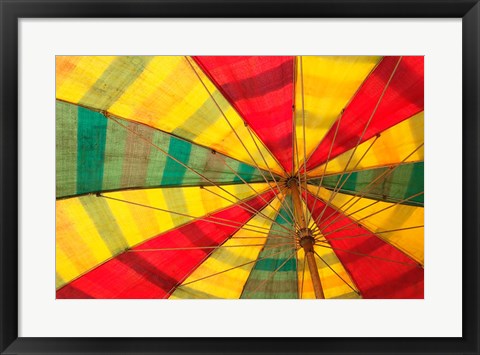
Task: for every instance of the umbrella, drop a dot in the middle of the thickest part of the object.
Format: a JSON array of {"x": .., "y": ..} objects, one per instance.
[{"x": 239, "y": 177}]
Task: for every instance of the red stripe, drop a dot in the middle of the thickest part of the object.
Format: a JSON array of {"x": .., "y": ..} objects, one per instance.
[
  {"x": 260, "y": 89},
  {"x": 402, "y": 99},
  {"x": 374, "y": 278},
  {"x": 154, "y": 274}
]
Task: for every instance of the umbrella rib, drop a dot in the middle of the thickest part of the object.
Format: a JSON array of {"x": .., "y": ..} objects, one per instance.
[
  {"x": 232, "y": 268},
  {"x": 227, "y": 223},
  {"x": 275, "y": 181},
  {"x": 236, "y": 134},
  {"x": 257, "y": 193},
  {"x": 365, "y": 129},
  {"x": 337, "y": 188},
  {"x": 368, "y": 255},
  {"x": 188, "y": 167},
  {"x": 273, "y": 273},
  {"x": 304, "y": 133},
  {"x": 200, "y": 248},
  {"x": 254, "y": 211},
  {"x": 359, "y": 195},
  {"x": 227, "y": 120},
  {"x": 341, "y": 278},
  {"x": 372, "y": 214},
  {"x": 326, "y": 164},
  {"x": 367, "y": 234}
]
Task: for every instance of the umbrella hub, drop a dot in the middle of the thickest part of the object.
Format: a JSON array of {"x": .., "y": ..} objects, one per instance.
[{"x": 306, "y": 240}]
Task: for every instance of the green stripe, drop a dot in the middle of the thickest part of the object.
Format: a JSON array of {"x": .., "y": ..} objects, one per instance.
[
  {"x": 405, "y": 181},
  {"x": 66, "y": 149},
  {"x": 91, "y": 138},
  {"x": 262, "y": 282},
  {"x": 99, "y": 154},
  {"x": 107, "y": 226},
  {"x": 173, "y": 173},
  {"x": 114, "y": 81}
]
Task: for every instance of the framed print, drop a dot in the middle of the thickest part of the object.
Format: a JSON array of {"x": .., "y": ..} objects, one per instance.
[{"x": 205, "y": 177}]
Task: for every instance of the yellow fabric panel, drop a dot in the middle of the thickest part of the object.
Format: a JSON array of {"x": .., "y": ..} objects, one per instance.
[
  {"x": 229, "y": 284},
  {"x": 332, "y": 285},
  {"x": 329, "y": 83},
  {"x": 76, "y": 75},
  {"x": 80, "y": 245},
  {"x": 166, "y": 95},
  {"x": 410, "y": 241},
  {"x": 393, "y": 146}
]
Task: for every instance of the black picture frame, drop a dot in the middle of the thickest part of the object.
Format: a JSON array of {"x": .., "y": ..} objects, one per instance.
[{"x": 12, "y": 11}]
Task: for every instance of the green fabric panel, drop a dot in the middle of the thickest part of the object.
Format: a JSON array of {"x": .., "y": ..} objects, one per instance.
[
  {"x": 66, "y": 149},
  {"x": 264, "y": 281},
  {"x": 116, "y": 79},
  {"x": 173, "y": 173},
  {"x": 119, "y": 154},
  {"x": 114, "y": 153},
  {"x": 102, "y": 217},
  {"x": 91, "y": 138},
  {"x": 405, "y": 181}
]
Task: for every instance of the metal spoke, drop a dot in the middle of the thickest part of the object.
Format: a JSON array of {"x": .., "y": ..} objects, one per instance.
[
  {"x": 286, "y": 206},
  {"x": 374, "y": 183},
  {"x": 233, "y": 268},
  {"x": 205, "y": 247},
  {"x": 226, "y": 118},
  {"x": 372, "y": 214},
  {"x": 273, "y": 273},
  {"x": 365, "y": 128},
  {"x": 341, "y": 278},
  {"x": 369, "y": 234},
  {"x": 210, "y": 219},
  {"x": 256, "y": 212},
  {"x": 368, "y": 255}
]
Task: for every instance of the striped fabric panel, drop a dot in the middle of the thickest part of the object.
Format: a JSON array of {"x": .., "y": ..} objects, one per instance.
[
  {"x": 378, "y": 269},
  {"x": 400, "y": 143},
  {"x": 237, "y": 255},
  {"x": 400, "y": 185},
  {"x": 323, "y": 88},
  {"x": 90, "y": 229},
  {"x": 402, "y": 99},
  {"x": 399, "y": 225},
  {"x": 275, "y": 273},
  {"x": 147, "y": 273},
  {"x": 163, "y": 92},
  {"x": 261, "y": 90},
  {"x": 99, "y": 154}
]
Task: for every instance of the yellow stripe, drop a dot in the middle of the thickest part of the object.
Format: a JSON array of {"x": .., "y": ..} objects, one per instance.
[
  {"x": 169, "y": 96},
  {"x": 410, "y": 241},
  {"x": 393, "y": 146},
  {"x": 80, "y": 246},
  {"x": 75, "y": 75},
  {"x": 229, "y": 284},
  {"x": 329, "y": 83}
]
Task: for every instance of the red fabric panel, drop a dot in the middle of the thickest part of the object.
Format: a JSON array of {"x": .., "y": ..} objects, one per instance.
[
  {"x": 402, "y": 99},
  {"x": 374, "y": 278},
  {"x": 154, "y": 274},
  {"x": 261, "y": 90}
]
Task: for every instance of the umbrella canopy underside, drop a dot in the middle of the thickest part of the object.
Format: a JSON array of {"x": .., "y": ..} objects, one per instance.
[{"x": 226, "y": 177}]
